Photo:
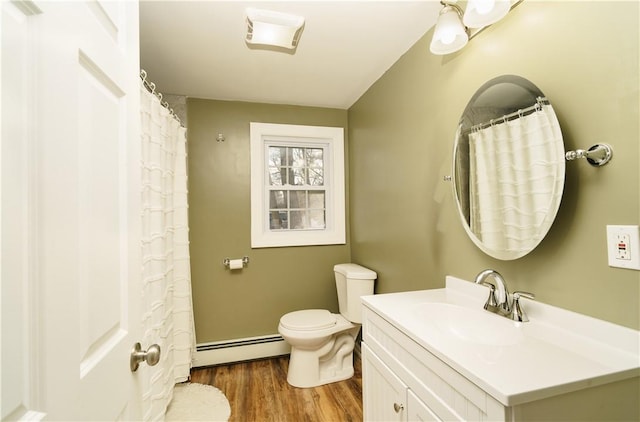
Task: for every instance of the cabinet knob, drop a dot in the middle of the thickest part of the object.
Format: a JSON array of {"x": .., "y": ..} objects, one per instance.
[{"x": 398, "y": 407}]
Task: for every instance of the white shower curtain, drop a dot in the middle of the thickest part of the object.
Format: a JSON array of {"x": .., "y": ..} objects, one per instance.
[
  {"x": 166, "y": 288},
  {"x": 513, "y": 179}
]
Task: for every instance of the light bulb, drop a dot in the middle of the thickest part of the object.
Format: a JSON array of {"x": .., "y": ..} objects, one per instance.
[
  {"x": 484, "y": 6},
  {"x": 447, "y": 37},
  {"x": 481, "y": 13}
]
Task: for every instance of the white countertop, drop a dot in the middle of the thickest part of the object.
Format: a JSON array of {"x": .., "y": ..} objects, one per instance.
[{"x": 556, "y": 352}]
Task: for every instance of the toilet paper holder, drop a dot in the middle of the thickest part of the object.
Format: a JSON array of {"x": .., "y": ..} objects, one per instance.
[{"x": 227, "y": 261}]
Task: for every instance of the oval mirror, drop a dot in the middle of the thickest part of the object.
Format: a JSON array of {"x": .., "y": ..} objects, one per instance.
[{"x": 509, "y": 167}]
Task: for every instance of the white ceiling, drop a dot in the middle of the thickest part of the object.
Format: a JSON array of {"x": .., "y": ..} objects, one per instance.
[{"x": 197, "y": 49}]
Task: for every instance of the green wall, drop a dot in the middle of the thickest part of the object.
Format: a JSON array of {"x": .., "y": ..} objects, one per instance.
[
  {"x": 402, "y": 218},
  {"x": 404, "y": 222},
  {"x": 249, "y": 302}
]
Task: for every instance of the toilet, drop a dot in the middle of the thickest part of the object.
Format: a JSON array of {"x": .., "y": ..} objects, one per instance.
[{"x": 321, "y": 342}]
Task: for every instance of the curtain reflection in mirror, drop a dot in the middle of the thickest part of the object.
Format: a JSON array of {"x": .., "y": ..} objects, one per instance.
[{"x": 513, "y": 179}]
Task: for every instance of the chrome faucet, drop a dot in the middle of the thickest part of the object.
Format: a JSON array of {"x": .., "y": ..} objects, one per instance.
[{"x": 501, "y": 304}]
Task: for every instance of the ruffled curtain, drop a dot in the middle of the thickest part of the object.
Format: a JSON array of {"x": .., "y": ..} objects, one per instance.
[
  {"x": 513, "y": 179},
  {"x": 166, "y": 289}
]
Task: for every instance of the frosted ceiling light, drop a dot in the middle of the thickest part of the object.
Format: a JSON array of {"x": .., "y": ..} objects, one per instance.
[{"x": 265, "y": 27}]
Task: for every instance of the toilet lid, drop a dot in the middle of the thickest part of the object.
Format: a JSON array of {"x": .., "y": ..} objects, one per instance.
[{"x": 309, "y": 319}]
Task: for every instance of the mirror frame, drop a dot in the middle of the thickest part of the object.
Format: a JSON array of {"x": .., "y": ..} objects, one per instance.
[{"x": 528, "y": 95}]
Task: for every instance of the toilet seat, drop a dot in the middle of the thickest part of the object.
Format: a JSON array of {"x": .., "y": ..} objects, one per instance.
[{"x": 308, "y": 320}]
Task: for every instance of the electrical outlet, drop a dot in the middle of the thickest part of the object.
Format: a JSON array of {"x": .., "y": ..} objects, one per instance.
[{"x": 623, "y": 246}]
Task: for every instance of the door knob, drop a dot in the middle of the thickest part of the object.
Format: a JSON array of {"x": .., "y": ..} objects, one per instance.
[
  {"x": 151, "y": 356},
  {"x": 398, "y": 407}
]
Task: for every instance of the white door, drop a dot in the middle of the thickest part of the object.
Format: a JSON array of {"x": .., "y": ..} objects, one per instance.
[{"x": 70, "y": 209}]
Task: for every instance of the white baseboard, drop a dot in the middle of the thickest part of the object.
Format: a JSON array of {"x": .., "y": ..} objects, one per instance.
[{"x": 236, "y": 350}]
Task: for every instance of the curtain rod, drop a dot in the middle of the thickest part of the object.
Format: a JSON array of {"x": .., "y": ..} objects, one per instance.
[
  {"x": 540, "y": 101},
  {"x": 151, "y": 87}
]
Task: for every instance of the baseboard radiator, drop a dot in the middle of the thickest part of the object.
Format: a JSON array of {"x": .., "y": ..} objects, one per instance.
[{"x": 237, "y": 350}]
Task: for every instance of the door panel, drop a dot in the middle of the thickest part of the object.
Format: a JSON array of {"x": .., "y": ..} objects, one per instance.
[
  {"x": 83, "y": 119},
  {"x": 18, "y": 334},
  {"x": 384, "y": 394},
  {"x": 99, "y": 204}
]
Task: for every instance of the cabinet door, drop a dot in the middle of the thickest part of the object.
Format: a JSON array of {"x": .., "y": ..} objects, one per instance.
[
  {"x": 418, "y": 411},
  {"x": 384, "y": 394}
]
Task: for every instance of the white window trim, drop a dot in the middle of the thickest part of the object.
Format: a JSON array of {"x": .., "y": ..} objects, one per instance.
[{"x": 335, "y": 231}]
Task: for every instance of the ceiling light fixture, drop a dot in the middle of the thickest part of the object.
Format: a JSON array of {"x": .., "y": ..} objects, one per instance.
[
  {"x": 452, "y": 27},
  {"x": 268, "y": 28}
]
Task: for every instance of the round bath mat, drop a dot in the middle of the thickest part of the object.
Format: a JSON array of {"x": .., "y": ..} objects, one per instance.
[{"x": 198, "y": 402}]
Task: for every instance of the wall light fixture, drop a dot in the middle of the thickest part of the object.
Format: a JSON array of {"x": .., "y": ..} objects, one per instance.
[
  {"x": 268, "y": 28},
  {"x": 452, "y": 31},
  {"x": 482, "y": 13},
  {"x": 450, "y": 34}
]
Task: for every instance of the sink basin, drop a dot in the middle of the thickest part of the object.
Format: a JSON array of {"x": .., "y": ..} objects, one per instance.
[{"x": 469, "y": 325}]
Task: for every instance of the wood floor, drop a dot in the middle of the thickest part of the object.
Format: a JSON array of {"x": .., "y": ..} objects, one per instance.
[{"x": 258, "y": 391}]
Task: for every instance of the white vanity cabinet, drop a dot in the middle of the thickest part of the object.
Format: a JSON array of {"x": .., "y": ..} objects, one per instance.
[
  {"x": 404, "y": 382},
  {"x": 436, "y": 355}
]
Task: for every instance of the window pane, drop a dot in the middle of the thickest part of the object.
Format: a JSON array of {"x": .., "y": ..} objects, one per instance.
[
  {"x": 277, "y": 176},
  {"x": 277, "y": 156},
  {"x": 317, "y": 219},
  {"x": 296, "y": 176},
  {"x": 314, "y": 157},
  {"x": 299, "y": 220},
  {"x": 298, "y": 199},
  {"x": 316, "y": 177},
  {"x": 278, "y": 199},
  {"x": 297, "y": 157},
  {"x": 278, "y": 220},
  {"x": 316, "y": 199}
]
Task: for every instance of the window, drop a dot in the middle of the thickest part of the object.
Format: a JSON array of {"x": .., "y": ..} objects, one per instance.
[{"x": 297, "y": 185}]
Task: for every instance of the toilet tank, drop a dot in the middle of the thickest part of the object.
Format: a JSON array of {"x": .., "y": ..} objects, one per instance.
[{"x": 353, "y": 281}]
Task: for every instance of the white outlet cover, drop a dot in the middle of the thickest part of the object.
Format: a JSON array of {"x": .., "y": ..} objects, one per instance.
[{"x": 633, "y": 248}]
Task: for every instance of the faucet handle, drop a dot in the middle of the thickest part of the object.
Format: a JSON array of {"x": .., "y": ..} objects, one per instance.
[
  {"x": 518, "y": 295},
  {"x": 492, "y": 303},
  {"x": 517, "y": 314}
]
